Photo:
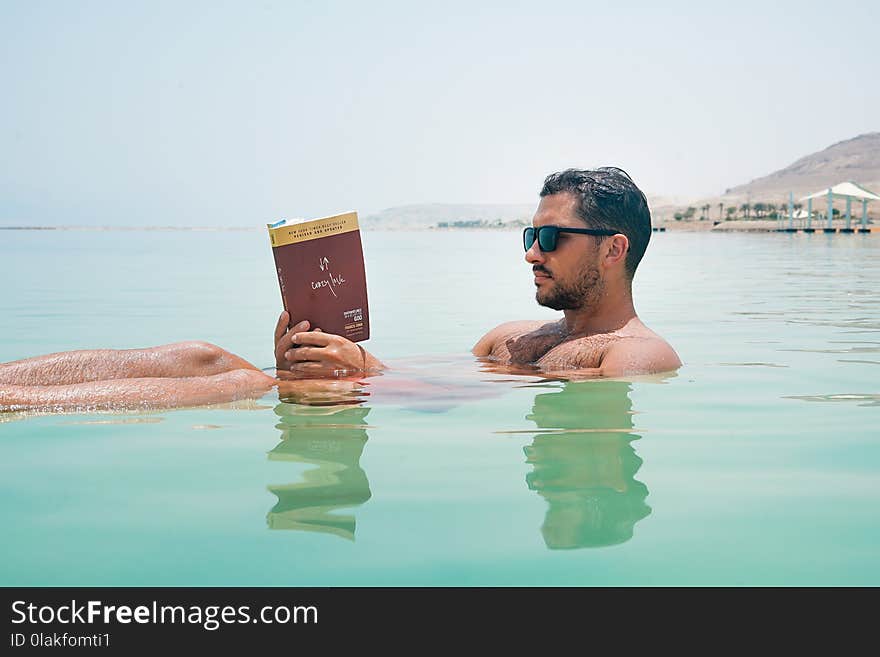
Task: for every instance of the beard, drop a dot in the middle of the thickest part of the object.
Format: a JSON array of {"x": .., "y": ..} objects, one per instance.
[{"x": 585, "y": 292}]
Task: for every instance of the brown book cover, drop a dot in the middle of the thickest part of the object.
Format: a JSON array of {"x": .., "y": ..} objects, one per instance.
[{"x": 320, "y": 265}]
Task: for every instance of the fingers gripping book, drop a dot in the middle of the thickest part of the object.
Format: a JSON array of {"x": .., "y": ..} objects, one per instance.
[{"x": 320, "y": 265}]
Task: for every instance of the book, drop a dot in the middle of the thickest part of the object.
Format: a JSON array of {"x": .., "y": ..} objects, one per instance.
[{"x": 320, "y": 265}]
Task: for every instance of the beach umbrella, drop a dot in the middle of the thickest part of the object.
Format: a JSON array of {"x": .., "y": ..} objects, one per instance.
[{"x": 848, "y": 190}]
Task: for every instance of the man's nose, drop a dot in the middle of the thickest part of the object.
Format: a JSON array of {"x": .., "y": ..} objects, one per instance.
[{"x": 534, "y": 255}]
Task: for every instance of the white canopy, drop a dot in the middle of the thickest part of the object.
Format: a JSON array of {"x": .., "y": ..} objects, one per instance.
[{"x": 845, "y": 190}]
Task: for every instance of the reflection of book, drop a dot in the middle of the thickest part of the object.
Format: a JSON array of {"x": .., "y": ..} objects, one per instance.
[
  {"x": 313, "y": 504},
  {"x": 314, "y": 519},
  {"x": 334, "y": 444},
  {"x": 320, "y": 265}
]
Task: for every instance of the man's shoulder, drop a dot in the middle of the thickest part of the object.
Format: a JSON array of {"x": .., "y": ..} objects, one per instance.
[
  {"x": 644, "y": 352},
  {"x": 506, "y": 330}
]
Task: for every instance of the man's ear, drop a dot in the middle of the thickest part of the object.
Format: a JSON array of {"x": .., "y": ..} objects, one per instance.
[{"x": 617, "y": 247}]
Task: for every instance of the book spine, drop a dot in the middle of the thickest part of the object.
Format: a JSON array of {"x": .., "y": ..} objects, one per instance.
[{"x": 279, "y": 271}]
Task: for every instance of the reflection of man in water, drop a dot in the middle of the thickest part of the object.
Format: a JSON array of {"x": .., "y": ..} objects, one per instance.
[
  {"x": 332, "y": 439},
  {"x": 583, "y": 462},
  {"x": 585, "y": 466}
]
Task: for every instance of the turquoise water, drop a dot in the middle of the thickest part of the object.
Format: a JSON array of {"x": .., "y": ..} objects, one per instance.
[{"x": 759, "y": 463}]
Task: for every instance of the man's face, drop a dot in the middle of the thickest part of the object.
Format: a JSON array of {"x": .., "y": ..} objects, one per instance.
[{"x": 568, "y": 277}]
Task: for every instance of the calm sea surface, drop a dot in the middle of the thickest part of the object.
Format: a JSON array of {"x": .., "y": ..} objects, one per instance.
[{"x": 759, "y": 463}]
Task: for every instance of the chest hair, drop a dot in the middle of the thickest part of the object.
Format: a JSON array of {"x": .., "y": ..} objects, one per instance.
[{"x": 548, "y": 346}]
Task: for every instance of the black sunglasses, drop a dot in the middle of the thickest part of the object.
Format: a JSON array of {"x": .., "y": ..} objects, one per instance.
[{"x": 547, "y": 236}]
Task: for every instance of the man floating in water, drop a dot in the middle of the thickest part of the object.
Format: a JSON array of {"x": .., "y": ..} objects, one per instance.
[{"x": 587, "y": 238}]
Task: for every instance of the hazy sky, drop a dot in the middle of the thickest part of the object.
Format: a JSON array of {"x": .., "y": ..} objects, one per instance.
[{"x": 238, "y": 113}]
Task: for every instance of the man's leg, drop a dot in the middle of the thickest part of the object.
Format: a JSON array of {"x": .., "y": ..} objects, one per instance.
[
  {"x": 138, "y": 393},
  {"x": 181, "y": 359}
]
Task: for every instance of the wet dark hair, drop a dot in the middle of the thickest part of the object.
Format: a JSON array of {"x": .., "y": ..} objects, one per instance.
[{"x": 607, "y": 198}]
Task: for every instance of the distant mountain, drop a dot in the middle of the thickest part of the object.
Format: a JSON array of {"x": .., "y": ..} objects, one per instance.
[
  {"x": 856, "y": 159},
  {"x": 431, "y": 214}
]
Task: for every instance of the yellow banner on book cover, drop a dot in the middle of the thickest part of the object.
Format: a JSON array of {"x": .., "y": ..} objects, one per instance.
[{"x": 309, "y": 230}]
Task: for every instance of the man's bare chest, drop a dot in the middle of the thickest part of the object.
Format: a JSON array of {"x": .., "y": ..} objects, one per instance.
[{"x": 551, "y": 350}]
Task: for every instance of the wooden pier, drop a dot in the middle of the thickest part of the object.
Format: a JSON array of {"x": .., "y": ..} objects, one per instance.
[{"x": 848, "y": 231}]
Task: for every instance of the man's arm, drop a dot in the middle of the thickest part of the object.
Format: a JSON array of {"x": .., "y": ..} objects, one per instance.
[{"x": 484, "y": 345}]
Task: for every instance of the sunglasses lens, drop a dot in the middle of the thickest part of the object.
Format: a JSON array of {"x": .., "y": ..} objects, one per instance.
[{"x": 547, "y": 238}]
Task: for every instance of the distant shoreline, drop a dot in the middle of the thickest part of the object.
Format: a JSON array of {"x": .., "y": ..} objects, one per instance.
[
  {"x": 155, "y": 228},
  {"x": 734, "y": 226}
]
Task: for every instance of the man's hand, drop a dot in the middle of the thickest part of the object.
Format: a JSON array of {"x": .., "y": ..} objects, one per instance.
[
  {"x": 314, "y": 352},
  {"x": 319, "y": 352},
  {"x": 284, "y": 339}
]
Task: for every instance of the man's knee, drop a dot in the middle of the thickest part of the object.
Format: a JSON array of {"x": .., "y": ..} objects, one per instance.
[
  {"x": 200, "y": 358},
  {"x": 202, "y": 355}
]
